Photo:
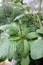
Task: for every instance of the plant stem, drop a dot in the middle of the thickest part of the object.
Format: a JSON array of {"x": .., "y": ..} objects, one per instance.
[
  {"x": 39, "y": 21},
  {"x": 20, "y": 25},
  {"x": 40, "y": 2}
]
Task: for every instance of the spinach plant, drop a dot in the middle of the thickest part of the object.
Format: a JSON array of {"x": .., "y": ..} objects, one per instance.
[{"x": 22, "y": 37}]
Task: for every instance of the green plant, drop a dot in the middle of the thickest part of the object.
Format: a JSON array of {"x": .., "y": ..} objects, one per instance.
[{"x": 22, "y": 37}]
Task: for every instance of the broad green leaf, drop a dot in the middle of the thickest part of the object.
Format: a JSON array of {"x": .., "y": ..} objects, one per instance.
[
  {"x": 7, "y": 48},
  {"x": 40, "y": 31},
  {"x": 4, "y": 48},
  {"x": 11, "y": 29},
  {"x": 32, "y": 35},
  {"x": 36, "y": 49},
  {"x": 12, "y": 52},
  {"x": 25, "y": 61},
  {"x": 23, "y": 48},
  {"x": 20, "y": 46}
]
